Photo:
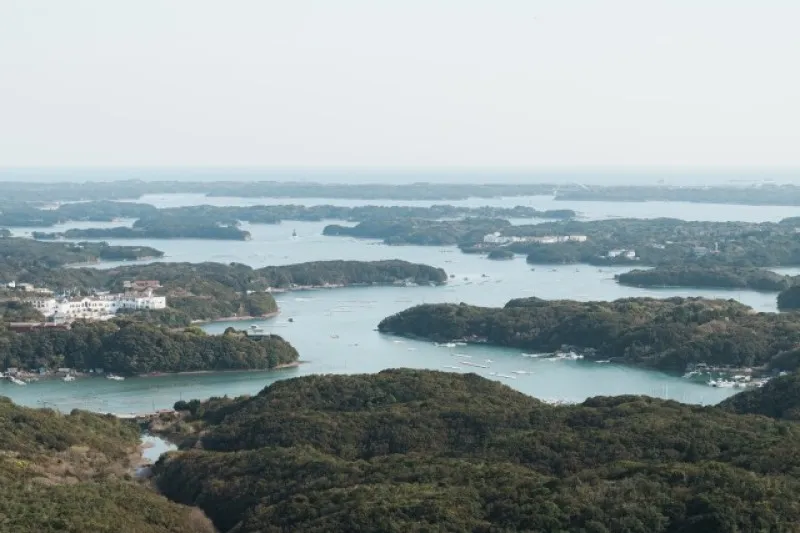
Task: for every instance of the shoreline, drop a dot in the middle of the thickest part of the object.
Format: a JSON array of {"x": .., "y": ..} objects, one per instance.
[
  {"x": 235, "y": 318},
  {"x": 34, "y": 378}
]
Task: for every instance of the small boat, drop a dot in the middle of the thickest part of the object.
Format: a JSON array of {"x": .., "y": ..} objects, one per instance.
[
  {"x": 16, "y": 381},
  {"x": 489, "y": 361},
  {"x": 521, "y": 372},
  {"x": 68, "y": 378},
  {"x": 601, "y": 361},
  {"x": 114, "y": 377},
  {"x": 506, "y": 376},
  {"x": 721, "y": 383},
  {"x": 462, "y": 355},
  {"x": 467, "y": 363},
  {"x": 452, "y": 367},
  {"x": 294, "y": 233}
]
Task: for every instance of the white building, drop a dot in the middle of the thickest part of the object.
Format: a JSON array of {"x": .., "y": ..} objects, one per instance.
[
  {"x": 97, "y": 307},
  {"x": 627, "y": 254},
  {"x": 497, "y": 238}
]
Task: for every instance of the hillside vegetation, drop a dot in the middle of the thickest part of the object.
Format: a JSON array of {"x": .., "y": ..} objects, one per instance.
[
  {"x": 130, "y": 347},
  {"x": 713, "y": 277},
  {"x": 412, "y": 451},
  {"x": 667, "y": 334},
  {"x": 71, "y": 473}
]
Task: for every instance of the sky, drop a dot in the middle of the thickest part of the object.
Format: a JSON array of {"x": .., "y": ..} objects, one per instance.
[{"x": 402, "y": 84}]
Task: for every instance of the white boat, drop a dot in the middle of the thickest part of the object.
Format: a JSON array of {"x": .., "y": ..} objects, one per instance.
[
  {"x": 603, "y": 361},
  {"x": 16, "y": 381},
  {"x": 114, "y": 377},
  {"x": 506, "y": 376},
  {"x": 473, "y": 364},
  {"x": 68, "y": 378},
  {"x": 452, "y": 367},
  {"x": 462, "y": 355},
  {"x": 521, "y": 372},
  {"x": 721, "y": 383},
  {"x": 489, "y": 361}
]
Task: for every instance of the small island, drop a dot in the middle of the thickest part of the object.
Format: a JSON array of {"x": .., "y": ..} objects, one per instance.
[
  {"x": 673, "y": 334},
  {"x": 501, "y": 255},
  {"x": 696, "y": 276},
  {"x": 128, "y": 347}
]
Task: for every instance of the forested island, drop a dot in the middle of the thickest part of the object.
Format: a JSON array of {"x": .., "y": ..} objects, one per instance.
[
  {"x": 757, "y": 194},
  {"x": 133, "y": 189},
  {"x": 419, "y": 231},
  {"x": 72, "y": 473},
  {"x": 413, "y": 450},
  {"x": 151, "y": 220},
  {"x": 653, "y": 242},
  {"x": 708, "y": 277},
  {"x": 26, "y": 259},
  {"x": 672, "y": 334},
  {"x": 211, "y": 291},
  {"x": 130, "y": 347}
]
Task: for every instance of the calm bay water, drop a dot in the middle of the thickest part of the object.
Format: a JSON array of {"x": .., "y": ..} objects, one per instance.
[{"x": 334, "y": 329}]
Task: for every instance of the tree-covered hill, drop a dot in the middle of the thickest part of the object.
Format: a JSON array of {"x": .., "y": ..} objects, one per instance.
[
  {"x": 667, "y": 334},
  {"x": 696, "y": 276},
  {"x": 778, "y": 398},
  {"x": 71, "y": 473},
  {"x": 408, "y": 450},
  {"x": 131, "y": 347}
]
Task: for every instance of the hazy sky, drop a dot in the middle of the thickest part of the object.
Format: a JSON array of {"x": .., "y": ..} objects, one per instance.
[{"x": 402, "y": 83}]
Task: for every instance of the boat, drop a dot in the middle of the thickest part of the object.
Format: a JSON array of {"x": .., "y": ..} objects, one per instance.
[
  {"x": 16, "y": 381},
  {"x": 452, "y": 367},
  {"x": 114, "y": 377},
  {"x": 467, "y": 363},
  {"x": 506, "y": 376},
  {"x": 489, "y": 361},
  {"x": 68, "y": 378},
  {"x": 463, "y": 355},
  {"x": 294, "y": 233},
  {"x": 601, "y": 361},
  {"x": 721, "y": 383},
  {"x": 521, "y": 372}
]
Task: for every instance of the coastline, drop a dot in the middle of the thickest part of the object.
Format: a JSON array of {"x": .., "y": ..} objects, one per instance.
[{"x": 237, "y": 318}]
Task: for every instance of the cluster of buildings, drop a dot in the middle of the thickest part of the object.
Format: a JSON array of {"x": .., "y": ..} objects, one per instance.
[
  {"x": 97, "y": 307},
  {"x": 623, "y": 254},
  {"x": 498, "y": 238}
]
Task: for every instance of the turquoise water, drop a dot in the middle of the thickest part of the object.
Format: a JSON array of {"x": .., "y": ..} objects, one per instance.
[{"x": 334, "y": 329}]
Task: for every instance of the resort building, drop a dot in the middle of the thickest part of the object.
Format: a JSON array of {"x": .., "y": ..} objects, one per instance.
[{"x": 96, "y": 307}]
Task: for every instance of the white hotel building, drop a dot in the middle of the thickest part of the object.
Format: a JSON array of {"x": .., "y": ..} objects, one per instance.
[{"x": 96, "y": 307}]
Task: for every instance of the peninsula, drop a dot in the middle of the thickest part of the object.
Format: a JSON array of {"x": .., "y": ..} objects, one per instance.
[
  {"x": 414, "y": 450},
  {"x": 671, "y": 334}
]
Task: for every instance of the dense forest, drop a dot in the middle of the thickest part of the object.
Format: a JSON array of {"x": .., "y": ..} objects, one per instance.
[
  {"x": 657, "y": 242},
  {"x": 669, "y": 334},
  {"x": 789, "y": 299},
  {"x": 714, "y": 277},
  {"x": 128, "y": 347},
  {"x": 779, "y": 398},
  {"x": 412, "y": 451},
  {"x": 71, "y": 474}
]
